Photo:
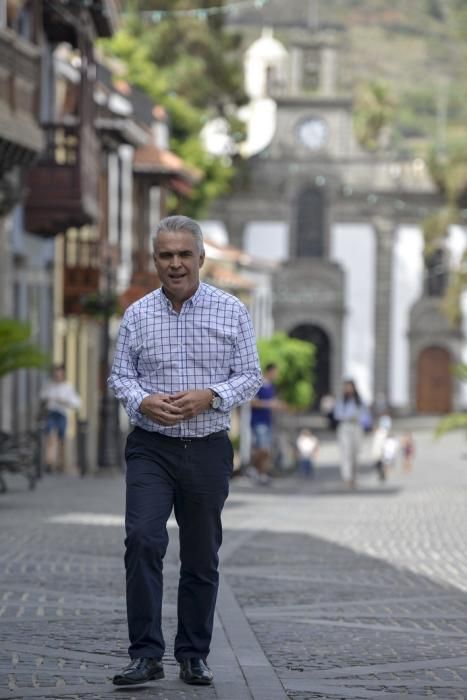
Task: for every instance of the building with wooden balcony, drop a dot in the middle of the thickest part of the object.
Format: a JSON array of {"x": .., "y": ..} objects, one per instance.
[
  {"x": 62, "y": 187},
  {"x": 49, "y": 160},
  {"x": 95, "y": 168},
  {"x": 106, "y": 266}
]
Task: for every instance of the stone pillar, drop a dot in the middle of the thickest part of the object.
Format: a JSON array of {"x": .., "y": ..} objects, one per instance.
[
  {"x": 6, "y": 385},
  {"x": 384, "y": 232},
  {"x": 5, "y": 267},
  {"x": 296, "y": 70}
]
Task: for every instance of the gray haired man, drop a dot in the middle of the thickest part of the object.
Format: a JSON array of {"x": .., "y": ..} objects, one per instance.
[{"x": 185, "y": 356}]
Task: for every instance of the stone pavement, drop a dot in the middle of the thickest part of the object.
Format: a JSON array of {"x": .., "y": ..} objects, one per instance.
[{"x": 324, "y": 593}]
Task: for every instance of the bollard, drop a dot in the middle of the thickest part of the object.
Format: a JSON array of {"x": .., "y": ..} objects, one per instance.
[{"x": 82, "y": 446}]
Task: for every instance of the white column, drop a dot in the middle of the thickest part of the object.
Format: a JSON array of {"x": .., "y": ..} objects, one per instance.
[
  {"x": 406, "y": 289},
  {"x": 126, "y": 204},
  {"x": 456, "y": 244},
  {"x": 354, "y": 247},
  {"x": 113, "y": 197},
  {"x": 154, "y": 213}
]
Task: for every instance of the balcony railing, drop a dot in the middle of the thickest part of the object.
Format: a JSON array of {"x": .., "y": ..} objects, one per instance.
[
  {"x": 81, "y": 272},
  {"x": 20, "y": 135},
  {"x": 62, "y": 186}
]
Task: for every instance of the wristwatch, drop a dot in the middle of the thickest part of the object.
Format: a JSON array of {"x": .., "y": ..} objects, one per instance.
[{"x": 216, "y": 400}]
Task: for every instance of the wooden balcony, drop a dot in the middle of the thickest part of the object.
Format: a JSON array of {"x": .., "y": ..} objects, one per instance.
[
  {"x": 144, "y": 279},
  {"x": 21, "y": 137},
  {"x": 81, "y": 272},
  {"x": 62, "y": 189}
]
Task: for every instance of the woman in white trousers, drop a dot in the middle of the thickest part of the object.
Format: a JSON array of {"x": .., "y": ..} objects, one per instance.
[{"x": 351, "y": 414}]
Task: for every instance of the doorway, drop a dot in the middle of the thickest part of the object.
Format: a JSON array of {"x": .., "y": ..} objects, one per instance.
[
  {"x": 434, "y": 381},
  {"x": 322, "y": 369}
]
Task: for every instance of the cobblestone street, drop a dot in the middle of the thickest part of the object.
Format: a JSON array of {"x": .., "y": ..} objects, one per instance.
[{"x": 324, "y": 593}]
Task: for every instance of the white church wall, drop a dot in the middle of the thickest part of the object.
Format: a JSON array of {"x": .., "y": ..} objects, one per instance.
[
  {"x": 456, "y": 243},
  {"x": 406, "y": 288},
  {"x": 268, "y": 240},
  {"x": 354, "y": 247},
  {"x": 463, "y": 388}
]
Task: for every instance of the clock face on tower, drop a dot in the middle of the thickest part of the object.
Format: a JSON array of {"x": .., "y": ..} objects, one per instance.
[{"x": 313, "y": 133}]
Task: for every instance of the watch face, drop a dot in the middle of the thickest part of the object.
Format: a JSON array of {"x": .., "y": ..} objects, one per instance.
[
  {"x": 313, "y": 133},
  {"x": 216, "y": 402}
]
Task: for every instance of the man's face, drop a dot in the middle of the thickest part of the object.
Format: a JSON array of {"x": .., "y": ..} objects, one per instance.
[
  {"x": 58, "y": 375},
  {"x": 272, "y": 374},
  {"x": 178, "y": 262}
]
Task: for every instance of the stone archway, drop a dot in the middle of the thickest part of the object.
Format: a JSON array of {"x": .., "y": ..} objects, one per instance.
[
  {"x": 322, "y": 371},
  {"x": 434, "y": 380}
]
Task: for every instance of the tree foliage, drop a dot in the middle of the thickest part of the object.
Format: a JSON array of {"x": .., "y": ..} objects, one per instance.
[
  {"x": 190, "y": 66},
  {"x": 447, "y": 162},
  {"x": 16, "y": 349},
  {"x": 295, "y": 360},
  {"x": 374, "y": 112}
]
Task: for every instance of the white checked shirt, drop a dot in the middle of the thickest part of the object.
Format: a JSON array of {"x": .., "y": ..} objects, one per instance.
[{"x": 209, "y": 344}]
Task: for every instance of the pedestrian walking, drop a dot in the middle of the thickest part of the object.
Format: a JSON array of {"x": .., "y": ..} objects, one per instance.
[
  {"x": 262, "y": 407},
  {"x": 57, "y": 397},
  {"x": 326, "y": 408},
  {"x": 307, "y": 452},
  {"x": 384, "y": 447},
  {"x": 407, "y": 444},
  {"x": 185, "y": 355},
  {"x": 353, "y": 417}
]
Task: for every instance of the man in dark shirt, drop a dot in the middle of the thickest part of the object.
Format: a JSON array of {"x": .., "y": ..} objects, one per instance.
[{"x": 262, "y": 407}]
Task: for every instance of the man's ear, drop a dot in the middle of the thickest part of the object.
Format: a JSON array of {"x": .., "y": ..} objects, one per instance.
[{"x": 202, "y": 258}]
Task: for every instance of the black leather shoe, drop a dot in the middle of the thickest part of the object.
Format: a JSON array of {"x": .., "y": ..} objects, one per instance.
[
  {"x": 195, "y": 672},
  {"x": 140, "y": 671}
]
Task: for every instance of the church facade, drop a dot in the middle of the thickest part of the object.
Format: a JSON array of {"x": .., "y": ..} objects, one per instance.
[{"x": 345, "y": 226}]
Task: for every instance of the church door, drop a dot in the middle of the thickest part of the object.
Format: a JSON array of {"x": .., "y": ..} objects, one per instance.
[
  {"x": 434, "y": 381},
  {"x": 322, "y": 370}
]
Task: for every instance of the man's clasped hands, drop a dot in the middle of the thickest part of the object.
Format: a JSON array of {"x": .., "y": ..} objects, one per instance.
[{"x": 174, "y": 408}]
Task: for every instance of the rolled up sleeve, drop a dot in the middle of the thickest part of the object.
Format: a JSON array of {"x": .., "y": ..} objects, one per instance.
[
  {"x": 245, "y": 373},
  {"x": 124, "y": 378}
]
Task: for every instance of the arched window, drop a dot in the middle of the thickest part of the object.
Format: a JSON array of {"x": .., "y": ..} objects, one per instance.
[
  {"x": 310, "y": 224},
  {"x": 436, "y": 273}
]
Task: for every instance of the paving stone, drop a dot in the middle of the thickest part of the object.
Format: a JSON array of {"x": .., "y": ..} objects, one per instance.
[{"x": 332, "y": 594}]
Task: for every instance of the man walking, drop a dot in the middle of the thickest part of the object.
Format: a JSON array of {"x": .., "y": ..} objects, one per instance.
[
  {"x": 185, "y": 355},
  {"x": 261, "y": 421}
]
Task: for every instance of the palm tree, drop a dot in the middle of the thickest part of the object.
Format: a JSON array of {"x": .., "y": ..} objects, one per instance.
[{"x": 16, "y": 349}]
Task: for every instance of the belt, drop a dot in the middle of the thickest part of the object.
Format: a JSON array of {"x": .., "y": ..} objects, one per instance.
[{"x": 171, "y": 438}]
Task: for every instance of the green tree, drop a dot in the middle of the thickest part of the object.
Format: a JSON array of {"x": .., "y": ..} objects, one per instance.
[
  {"x": 16, "y": 349},
  {"x": 191, "y": 66},
  {"x": 295, "y": 360},
  {"x": 374, "y": 112}
]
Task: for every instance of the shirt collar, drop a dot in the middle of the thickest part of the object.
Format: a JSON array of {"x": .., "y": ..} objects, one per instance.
[{"x": 192, "y": 301}]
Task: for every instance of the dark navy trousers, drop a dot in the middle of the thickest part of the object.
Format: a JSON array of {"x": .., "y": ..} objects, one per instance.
[{"x": 192, "y": 477}]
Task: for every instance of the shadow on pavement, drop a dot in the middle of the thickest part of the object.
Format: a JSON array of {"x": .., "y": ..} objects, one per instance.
[{"x": 335, "y": 623}]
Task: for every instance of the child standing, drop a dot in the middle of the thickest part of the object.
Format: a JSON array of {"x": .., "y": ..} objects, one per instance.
[
  {"x": 307, "y": 450},
  {"x": 383, "y": 444},
  {"x": 408, "y": 451}
]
